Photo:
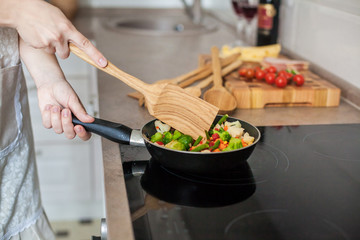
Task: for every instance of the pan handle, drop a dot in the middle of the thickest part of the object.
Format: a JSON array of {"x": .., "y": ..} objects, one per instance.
[{"x": 113, "y": 131}]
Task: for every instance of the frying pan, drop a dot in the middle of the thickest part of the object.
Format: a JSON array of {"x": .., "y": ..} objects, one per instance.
[{"x": 216, "y": 163}]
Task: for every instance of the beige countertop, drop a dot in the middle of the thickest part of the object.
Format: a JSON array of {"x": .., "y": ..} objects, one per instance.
[{"x": 151, "y": 58}]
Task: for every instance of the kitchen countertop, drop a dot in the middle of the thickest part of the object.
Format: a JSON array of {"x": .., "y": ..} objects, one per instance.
[{"x": 152, "y": 58}]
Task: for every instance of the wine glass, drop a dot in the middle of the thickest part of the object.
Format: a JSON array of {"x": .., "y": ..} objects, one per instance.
[
  {"x": 241, "y": 21},
  {"x": 250, "y": 10}
]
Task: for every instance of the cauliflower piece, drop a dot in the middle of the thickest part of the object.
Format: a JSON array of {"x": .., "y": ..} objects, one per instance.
[
  {"x": 161, "y": 127},
  {"x": 233, "y": 124},
  {"x": 248, "y": 139},
  {"x": 235, "y": 131}
]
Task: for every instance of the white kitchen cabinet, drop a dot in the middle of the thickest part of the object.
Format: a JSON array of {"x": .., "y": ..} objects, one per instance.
[{"x": 70, "y": 171}]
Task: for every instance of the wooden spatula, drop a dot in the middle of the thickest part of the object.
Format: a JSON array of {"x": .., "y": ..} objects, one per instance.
[
  {"x": 166, "y": 102},
  {"x": 218, "y": 95}
]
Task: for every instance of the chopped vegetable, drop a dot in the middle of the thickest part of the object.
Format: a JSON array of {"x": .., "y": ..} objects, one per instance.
[
  {"x": 167, "y": 137},
  {"x": 200, "y": 147},
  {"x": 216, "y": 145},
  {"x": 198, "y": 140},
  {"x": 186, "y": 140},
  {"x": 224, "y": 136},
  {"x": 223, "y": 119},
  {"x": 176, "y": 145},
  {"x": 157, "y": 137},
  {"x": 235, "y": 143},
  {"x": 161, "y": 127},
  {"x": 176, "y": 135}
]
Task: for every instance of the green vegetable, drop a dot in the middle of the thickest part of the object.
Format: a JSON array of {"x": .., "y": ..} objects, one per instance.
[
  {"x": 176, "y": 135},
  {"x": 167, "y": 137},
  {"x": 198, "y": 140},
  {"x": 186, "y": 140},
  {"x": 216, "y": 145},
  {"x": 157, "y": 137},
  {"x": 224, "y": 135},
  {"x": 176, "y": 145},
  {"x": 200, "y": 148},
  {"x": 223, "y": 119},
  {"x": 234, "y": 143},
  {"x": 207, "y": 135}
]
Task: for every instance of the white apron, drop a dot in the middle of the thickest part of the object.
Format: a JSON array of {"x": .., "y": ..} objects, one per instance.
[{"x": 21, "y": 213}]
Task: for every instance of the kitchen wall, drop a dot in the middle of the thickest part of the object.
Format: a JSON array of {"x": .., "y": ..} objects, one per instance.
[
  {"x": 152, "y": 3},
  {"x": 325, "y": 32}
]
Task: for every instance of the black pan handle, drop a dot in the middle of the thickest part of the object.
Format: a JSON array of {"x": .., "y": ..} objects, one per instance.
[{"x": 113, "y": 131}]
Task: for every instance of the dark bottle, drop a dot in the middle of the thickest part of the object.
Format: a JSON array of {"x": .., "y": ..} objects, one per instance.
[{"x": 268, "y": 22}]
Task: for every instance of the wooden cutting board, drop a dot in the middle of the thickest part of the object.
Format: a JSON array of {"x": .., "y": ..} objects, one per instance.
[{"x": 316, "y": 92}]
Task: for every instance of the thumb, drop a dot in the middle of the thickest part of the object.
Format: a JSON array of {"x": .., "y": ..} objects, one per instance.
[{"x": 79, "y": 111}]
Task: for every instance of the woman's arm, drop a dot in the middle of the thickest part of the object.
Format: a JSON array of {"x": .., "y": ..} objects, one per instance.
[
  {"x": 57, "y": 99},
  {"x": 43, "y": 26}
]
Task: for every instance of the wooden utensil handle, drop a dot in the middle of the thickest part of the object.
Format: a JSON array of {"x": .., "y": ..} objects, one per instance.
[
  {"x": 111, "y": 69},
  {"x": 216, "y": 66}
]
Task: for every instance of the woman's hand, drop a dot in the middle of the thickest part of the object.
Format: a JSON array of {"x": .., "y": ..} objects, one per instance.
[
  {"x": 43, "y": 26},
  {"x": 57, "y": 100}
]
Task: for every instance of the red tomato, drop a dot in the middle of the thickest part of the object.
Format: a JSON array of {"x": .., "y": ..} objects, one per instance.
[
  {"x": 270, "y": 78},
  {"x": 215, "y": 136},
  {"x": 271, "y": 69},
  {"x": 260, "y": 74},
  {"x": 289, "y": 75},
  {"x": 284, "y": 74},
  {"x": 242, "y": 72},
  {"x": 250, "y": 73},
  {"x": 281, "y": 82},
  {"x": 299, "y": 79}
]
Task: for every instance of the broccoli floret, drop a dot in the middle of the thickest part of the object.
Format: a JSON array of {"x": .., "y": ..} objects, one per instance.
[
  {"x": 176, "y": 145},
  {"x": 186, "y": 140},
  {"x": 157, "y": 137},
  {"x": 176, "y": 135},
  {"x": 224, "y": 135},
  {"x": 167, "y": 137},
  {"x": 234, "y": 143}
]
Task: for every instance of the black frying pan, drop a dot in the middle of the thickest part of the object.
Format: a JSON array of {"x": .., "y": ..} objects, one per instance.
[{"x": 189, "y": 162}]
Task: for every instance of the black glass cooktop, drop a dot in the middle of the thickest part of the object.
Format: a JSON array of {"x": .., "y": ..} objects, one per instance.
[{"x": 301, "y": 182}]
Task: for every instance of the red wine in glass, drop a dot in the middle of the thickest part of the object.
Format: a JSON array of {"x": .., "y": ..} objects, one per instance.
[
  {"x": 249, "y": 11},
  {"x": 237, "y": 7}
]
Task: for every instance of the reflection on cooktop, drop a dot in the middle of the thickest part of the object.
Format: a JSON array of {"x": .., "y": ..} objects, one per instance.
[
  {"x": 301, "y": 182},
  {"x": 340, "y": 144},
  {"x": 281, "y": 224},
  {"x": 196, "y": 191},
  {"x": 267, "y": 160}
]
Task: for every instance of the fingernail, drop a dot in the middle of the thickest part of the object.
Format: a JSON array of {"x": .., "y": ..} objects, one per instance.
[
  {"x": 78, "y": 129},
  {"x": 102, "y": 62},
  {"x": 55, "y": 109},
  {"x": 65, "y": 113}
]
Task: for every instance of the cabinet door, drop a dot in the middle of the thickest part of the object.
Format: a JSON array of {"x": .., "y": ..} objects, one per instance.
[{"x": 65, "y": 172}]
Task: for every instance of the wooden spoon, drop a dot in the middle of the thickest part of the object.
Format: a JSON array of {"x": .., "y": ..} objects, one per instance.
[
  {"x": 196, "y": 90},
  {"x": 166, "y": 102},
  {"x": 218, "y": 95}
]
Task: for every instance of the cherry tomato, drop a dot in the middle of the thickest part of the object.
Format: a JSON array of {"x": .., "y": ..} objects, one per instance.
[
  {"x": 260, "y": 74},
  {"x": 270, "y": 78},
  {"x": 281, "y": 82},
  {"x": 289, "y": 75},
  {"x": 242, "y": 72},
  {"x": 299, "y": 79},
  {"x": 271, "y": 69},
  {"x": 250, "y": 73}
]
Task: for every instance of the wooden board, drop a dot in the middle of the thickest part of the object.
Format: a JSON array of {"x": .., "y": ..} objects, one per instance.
[{"x": 316, "y": 92}]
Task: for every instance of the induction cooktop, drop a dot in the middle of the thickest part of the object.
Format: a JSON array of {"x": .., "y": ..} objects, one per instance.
[{"x": 301, "y": 182}]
